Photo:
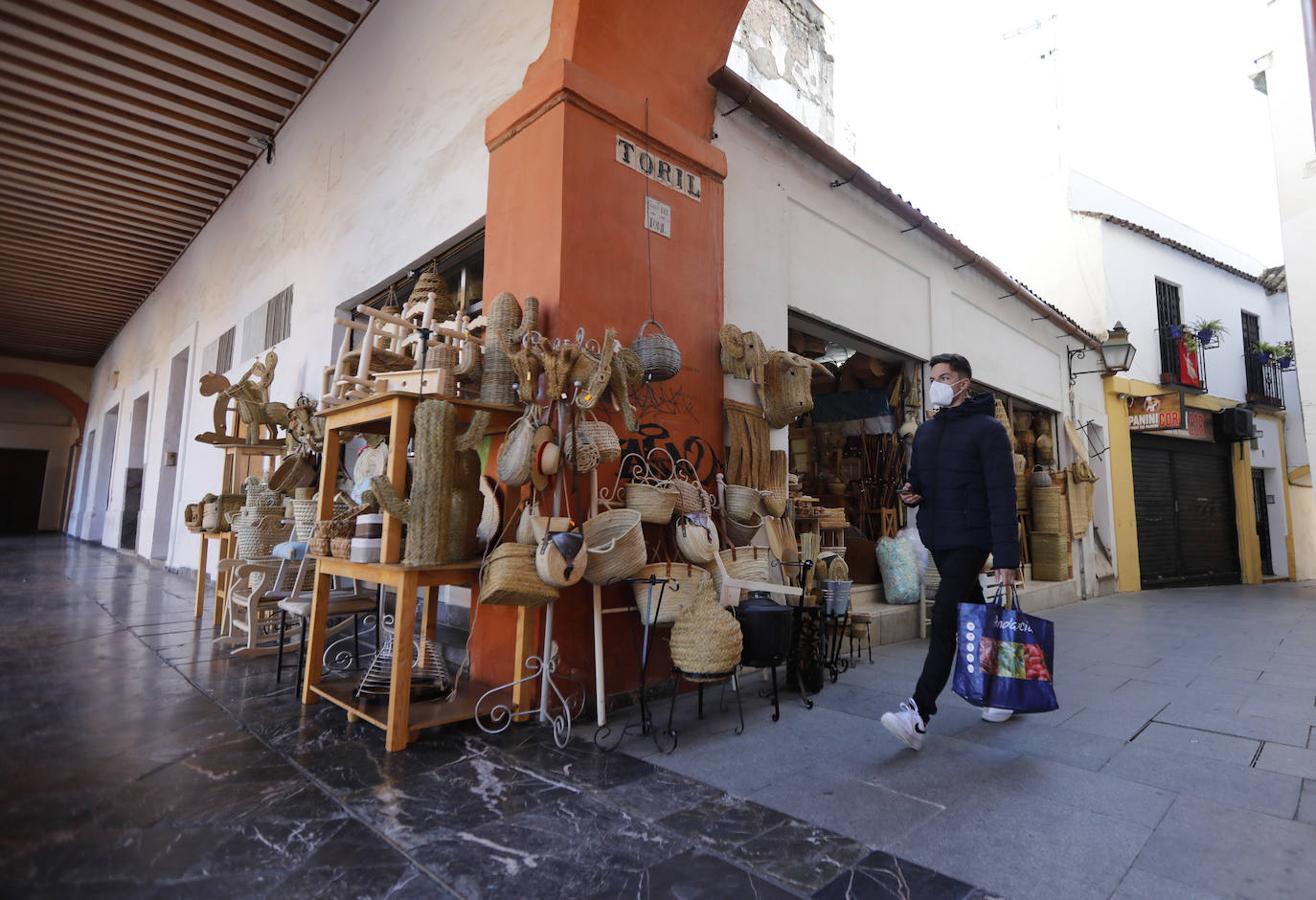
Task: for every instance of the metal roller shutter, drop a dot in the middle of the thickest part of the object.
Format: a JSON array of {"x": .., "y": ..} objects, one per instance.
[{"x": 1184, "y": 503}]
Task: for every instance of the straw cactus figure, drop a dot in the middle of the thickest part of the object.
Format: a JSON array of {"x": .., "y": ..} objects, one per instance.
[
  {"x": 428, "y": 513},
  {"x": 507, "y": 325}
]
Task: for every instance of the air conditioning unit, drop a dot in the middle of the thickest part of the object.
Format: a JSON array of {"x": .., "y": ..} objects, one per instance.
[{"x": 1233, "y": 425}]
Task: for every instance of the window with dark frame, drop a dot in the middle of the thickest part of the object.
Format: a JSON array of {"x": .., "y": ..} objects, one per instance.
[
  {"x": 224, "y": 350},
  {"x": 278, "y": 317},
  {"x": 1169, "y": 313},
  {"x": 1251, "y": 364}
]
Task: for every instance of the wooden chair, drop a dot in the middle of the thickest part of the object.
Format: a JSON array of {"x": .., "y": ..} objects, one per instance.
[{"x": 353, "y": 600}]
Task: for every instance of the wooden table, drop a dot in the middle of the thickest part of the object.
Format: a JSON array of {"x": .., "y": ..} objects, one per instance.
[{"x": 391, "y": 414}]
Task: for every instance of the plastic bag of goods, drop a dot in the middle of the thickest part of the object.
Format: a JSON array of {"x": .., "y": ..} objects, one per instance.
[{"x": 898, "y": 562}]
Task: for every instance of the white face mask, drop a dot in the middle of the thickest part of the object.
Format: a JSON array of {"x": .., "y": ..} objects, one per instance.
[{"x": 941, "y": 394}]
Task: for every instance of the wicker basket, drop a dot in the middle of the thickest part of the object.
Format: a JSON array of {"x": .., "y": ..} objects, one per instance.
[
  {"x": 742, "y": 533},
  {"x": 743, "y": 564},
  {"x": 509, "y": 578},
  {"x": 744, "y": 504},
  {"x": 1021, "y": 491},
  {"x": 216, "y": 514},
  {"x": 697, "y": 542},
  {"x": 686, "y": 584},
  {"x": 1039, "y": 477},
  {"x": 1050, "y": 511},
  {"x": 598, "y": 442},
  {"x": 514, "y": 456},
  {"x": 341, "y": 547},
  {"x": 706, "y": 642},
  {"x": 293, "y": 473},
  {"x": 654, "y": 501},
  {"x": 260, "y": 495},
  {"x": 1050, "y": 556},
  {"x": 303, "y": 517},
  {"x": 616, "y": 546},
  {"x": 658, "y": 353},
  {"x": 257, "y": 535}
]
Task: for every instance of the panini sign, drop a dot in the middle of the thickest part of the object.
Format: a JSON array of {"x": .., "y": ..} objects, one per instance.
[{"x": 1160, "y": 412}]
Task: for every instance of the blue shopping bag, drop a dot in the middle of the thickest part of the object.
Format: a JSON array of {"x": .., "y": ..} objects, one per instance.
[{"x": 1005, "y": 657}]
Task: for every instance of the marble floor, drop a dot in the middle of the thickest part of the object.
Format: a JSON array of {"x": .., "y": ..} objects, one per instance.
[{"x": 138, "y": 759}]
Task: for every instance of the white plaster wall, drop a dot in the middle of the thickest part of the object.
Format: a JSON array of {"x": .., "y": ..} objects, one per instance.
[
  {"x": 1134, "y": 262},
  {"x": 793, "y": 242},
  {"x": 384, "y": 160},
  {"x": 1294, "y": 140}
]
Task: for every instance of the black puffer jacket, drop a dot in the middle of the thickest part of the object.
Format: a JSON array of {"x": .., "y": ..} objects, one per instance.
[{"x": 963, "y": 469}]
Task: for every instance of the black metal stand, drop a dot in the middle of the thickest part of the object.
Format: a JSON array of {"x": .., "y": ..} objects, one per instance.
[
  {"x": 700, "y": 679},
  {"x": 833, "y": 638},
  {"x": 644, "y": 726}
]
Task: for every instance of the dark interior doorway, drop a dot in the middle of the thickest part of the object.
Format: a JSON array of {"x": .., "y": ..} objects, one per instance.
[
  {"x": 21, "y": 490},
  {"x": 1262, "y": 508}
]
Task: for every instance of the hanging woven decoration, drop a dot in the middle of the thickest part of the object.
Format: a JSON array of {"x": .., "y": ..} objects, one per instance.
[{"x": 658, "y": 353}]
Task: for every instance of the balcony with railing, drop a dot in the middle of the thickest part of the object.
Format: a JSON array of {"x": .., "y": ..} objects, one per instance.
[
  {"x": 1265, "y": 381},
  {"x": 1183, "y": 363}
]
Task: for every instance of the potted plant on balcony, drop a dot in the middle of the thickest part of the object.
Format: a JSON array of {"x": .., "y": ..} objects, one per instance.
[
  {"x": 1266, "y": 353},
  {"x": 1207, "y": 330},
  {"x": 1285, "y": 355}
]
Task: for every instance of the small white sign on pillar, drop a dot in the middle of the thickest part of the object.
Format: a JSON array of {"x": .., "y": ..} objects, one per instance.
[{"x": 658, "y": 217}]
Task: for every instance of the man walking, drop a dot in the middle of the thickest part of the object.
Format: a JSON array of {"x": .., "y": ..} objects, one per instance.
[{"x": 961, "y": 478}]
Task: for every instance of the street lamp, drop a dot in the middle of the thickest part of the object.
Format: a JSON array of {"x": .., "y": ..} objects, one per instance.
[{"x": 1116, "y": 355}]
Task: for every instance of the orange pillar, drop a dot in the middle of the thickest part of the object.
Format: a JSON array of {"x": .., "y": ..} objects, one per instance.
[{"x": 620, "y": 87}]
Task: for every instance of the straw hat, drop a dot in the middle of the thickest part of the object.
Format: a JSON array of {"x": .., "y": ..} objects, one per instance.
[{"x": 545, "y": 457}]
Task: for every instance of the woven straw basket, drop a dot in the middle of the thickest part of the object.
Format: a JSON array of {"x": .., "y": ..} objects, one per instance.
[
  {"x": 215, "y": 515},
  {"x": 1050, "y": 556},
  {"x": 742, "y": 533},
  {"x": 258, "y": 535},
  {"x": 654, "y": 501},
  {"x": 686, "y": 584},
  {"x": 744, "y": 504},
  {"x": 1050, "y": 511},
  {"x": 658, "y": 353},
  {"x": 616, "y": 546},
  {"x": 514, "y": 455},
  {"x": 743, "y": 564},
  {"x": 697, "y": 543},
  {"x": 598, "y": 443},
  {"x": 294, "y": 472},
  {"x": 509, "y": 578},
  {"x": 194, "y": 514},
  {"x": 341, "y": 547},
  {"x": 706, "y": 642}
]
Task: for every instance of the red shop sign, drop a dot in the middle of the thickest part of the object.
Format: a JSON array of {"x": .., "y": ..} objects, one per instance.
[{"x": 1160, "y": 412}]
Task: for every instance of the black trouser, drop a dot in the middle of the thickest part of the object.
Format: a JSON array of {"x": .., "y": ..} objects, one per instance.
[{"x": 959, "y": 568}]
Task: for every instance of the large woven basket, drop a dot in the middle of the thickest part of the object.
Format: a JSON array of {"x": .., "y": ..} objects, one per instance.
[
  {"x": 194, "y": 514},
  {"x": 706, "y": 642},
  {"x": 686, "y": 584},
  {"x": 1050, "y": 511},
  {"x": 260, "y": 495},
  {"x": 509, "y": 578},
  {"x": 303, "y": 517},
  {"x": 1080, "y": 506},
  {"x": 742, "y": 533},
  {"x": 658, "y": 353},
  {"x": 1021, "y": 490},
  {"x": 616, "y": 546},
  {"x": 654, "y": 501},
  {"x": 294, "y": 472},
  {"x": 1050, "y": 556}
]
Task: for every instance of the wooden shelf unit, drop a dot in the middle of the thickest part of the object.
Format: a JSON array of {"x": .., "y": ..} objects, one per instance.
[{"x": 391, "y": 414}]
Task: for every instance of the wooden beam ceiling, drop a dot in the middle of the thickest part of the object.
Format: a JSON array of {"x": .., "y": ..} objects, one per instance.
[{"x": 124, "y": 124}]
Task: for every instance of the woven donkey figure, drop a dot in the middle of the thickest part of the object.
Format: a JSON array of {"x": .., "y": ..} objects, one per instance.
[{"x": 434, "y": 536}]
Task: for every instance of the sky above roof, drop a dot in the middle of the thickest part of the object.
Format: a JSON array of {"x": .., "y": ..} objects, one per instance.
[{"x": 968, "y": 107}]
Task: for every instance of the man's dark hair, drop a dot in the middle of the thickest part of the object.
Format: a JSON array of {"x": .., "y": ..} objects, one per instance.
[{"x": 959, "y": 365}]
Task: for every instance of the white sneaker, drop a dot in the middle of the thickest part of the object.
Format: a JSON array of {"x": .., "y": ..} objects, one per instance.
[
  {"x": 992, "y": 714},
  {"x": 906, "y": 724}
]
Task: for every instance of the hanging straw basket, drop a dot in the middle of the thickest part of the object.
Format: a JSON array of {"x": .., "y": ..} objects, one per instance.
[
  {"x": 658, "y": 353},
  {"x": 654, "y": 501},
  {"x": 616, "y": 546},
  {"x": 598, "y": 444},
  {"x": 744, "y": 504},
  {"x": 514, "y": 456},
  {"x": 1050, "y": 511},
  {"x": 1050, "y": 556},
  {"x": 509, "y": 578},
  {"x": 742, "y": 533},
  {"x": 697, "y": 542},
  {"x": 706, "y": 642},
  {"x": 686, "y": 584}
]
